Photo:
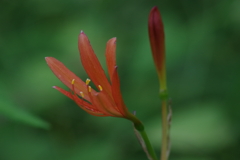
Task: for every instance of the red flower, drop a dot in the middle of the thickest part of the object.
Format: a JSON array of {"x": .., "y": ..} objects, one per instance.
[{"x": 107, "y": 101}]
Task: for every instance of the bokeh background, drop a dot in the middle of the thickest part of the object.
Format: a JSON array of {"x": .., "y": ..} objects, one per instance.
[{"x": 202, "y": 40}]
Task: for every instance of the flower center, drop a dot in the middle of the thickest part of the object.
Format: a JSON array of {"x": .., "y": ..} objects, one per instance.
[
  {"x": 87, "y": 83},
  {"x": 89, "y": 87}
]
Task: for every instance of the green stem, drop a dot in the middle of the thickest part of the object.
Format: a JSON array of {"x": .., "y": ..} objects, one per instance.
[
  {"x": 149, "y": 148},
  {"x": 165, "y": 126},
  {"x": 143, "y": 139},
  {"x": 164, "y": 131}
]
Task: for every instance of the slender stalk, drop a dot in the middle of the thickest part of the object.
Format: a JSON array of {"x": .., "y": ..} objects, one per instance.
[
  {"x": 144, "y": 141},
  {"x": 165, "y": 136},
  {"x": 157, "y": 42},
  {"x": 148, "y": 145},
  {"x": 165, "y": 149}
]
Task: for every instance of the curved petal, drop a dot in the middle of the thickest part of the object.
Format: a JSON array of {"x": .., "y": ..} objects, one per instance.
[
  {"x": 81, "y": 103},
  {"x": 66, "y": 76},
  {"x": 86, "y": 107},
  {"x": 116, "y": 93},
  {"x": 108, "y": 105},
  {"x": 95, "y": 103},
  {"x": 89, "y": 108},
  {"x": 66, "y": 93},
  {"x": 111, "y": 56},
  {"x": 91, "y": 64}
]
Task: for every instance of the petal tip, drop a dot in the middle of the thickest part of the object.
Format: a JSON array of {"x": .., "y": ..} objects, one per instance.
[
  {"x": 81, "y": 32},
  {"x": 155, "y": 11},
  {"x": 154, "y": 8},
  {"x": 47, "y": 59},
  {"x": 115, "y": 40},
  {"x": 112, "y": 40}
]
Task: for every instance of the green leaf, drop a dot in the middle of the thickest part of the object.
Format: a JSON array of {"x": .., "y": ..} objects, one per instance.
[{"x": 17, "y": 114}]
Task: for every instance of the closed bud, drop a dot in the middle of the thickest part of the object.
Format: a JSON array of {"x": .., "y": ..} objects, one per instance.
[{"x": 156, "y": 36}]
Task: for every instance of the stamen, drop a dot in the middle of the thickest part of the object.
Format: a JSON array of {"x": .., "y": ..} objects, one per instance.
[
  {"x": 82, "y": 95},
  {"x": 100, "y": 87},
  {"x": 88, "y": 81},
  {"x": 73, "y": 80},
  {"x": 89, "y": 89}
]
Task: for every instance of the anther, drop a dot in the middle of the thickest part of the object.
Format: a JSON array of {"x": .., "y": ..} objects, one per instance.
[
  {"x": 88, "y": 81},
  {"x": 89, "y": 88},
  {"x": 82, "y": 95},
  {"x": 100, "y": 87},
  {"x": 73, "y": 80}
]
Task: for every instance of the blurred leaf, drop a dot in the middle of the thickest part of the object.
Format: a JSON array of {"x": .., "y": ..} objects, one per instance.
[{"x": 10, "y": 111}]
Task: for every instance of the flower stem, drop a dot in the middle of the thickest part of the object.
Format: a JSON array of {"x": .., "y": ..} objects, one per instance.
[
  {"x": 165, "y": 149},
  {"x": 164, "y": 131},
  {"x": 144, "y": 141},
  {"x": 148, "y": 145}
]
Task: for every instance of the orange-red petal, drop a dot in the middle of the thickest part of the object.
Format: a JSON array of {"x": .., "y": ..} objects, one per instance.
[
  {"x": 82, "y": 104},
  {"x": 117, "y": 96},
  {"x": 86, "y": 106},
  {"x": 95, "y": 103},
  {"x": 66, "y": 76},
  {"x": 66, "y": 93},
  {"x": 74, "y": 97},
  {"x": 111, "y": 56},
  {"x": 108, "y": 105},
  {"x": 91, "y": 63}
]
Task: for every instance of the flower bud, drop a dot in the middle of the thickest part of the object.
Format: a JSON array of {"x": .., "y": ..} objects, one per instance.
[{"x": 156, "y": 36}]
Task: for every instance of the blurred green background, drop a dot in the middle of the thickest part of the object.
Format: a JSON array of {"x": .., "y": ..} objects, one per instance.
[{"x": 202, "y": 38}]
